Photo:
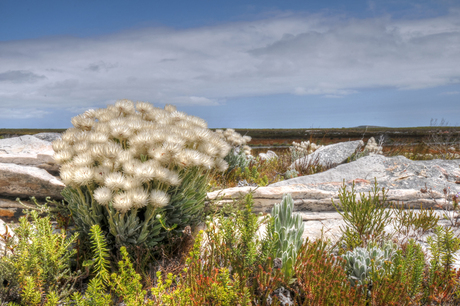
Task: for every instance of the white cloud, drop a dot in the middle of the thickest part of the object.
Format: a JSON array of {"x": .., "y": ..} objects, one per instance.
[
  {"x": 25, "y": 113},
  {"x": 296, "y": 54},
  {"x": 450, "y": 93}
]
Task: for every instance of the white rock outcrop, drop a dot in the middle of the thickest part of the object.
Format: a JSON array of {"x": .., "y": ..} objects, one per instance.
[
  {"x": 28, "y": 151},
  {"x": 329, "y": 156}
]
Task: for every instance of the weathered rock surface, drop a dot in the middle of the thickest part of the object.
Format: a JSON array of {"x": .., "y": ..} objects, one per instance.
[
  {"x": 412, "y": 183},
  {"x": 28, "y": 151},
  {"x": 48, "y": 136},
  {"x": 331, "y": 155},
  {"x": 25, "y": 181}
]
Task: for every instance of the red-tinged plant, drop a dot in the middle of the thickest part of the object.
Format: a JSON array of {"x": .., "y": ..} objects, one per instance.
[
  {"x": 442, "y": 288},
  {"x": 321, "y": 279}
]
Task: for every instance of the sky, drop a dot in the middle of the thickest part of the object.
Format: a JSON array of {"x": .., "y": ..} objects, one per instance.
[{"x": 236, "y": 64}]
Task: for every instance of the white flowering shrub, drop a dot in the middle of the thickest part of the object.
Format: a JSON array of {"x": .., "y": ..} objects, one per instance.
[
  {"x": 302, "y": 149},
  {"x": 240, "y": 153},
  {"x": 128, "y": 163}
]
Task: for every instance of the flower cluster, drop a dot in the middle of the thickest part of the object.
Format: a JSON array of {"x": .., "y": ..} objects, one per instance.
[
  {"x": 236, "y": 140},
  {"x": 130, "y": 154},
  {"x": 299, "y": 150}
]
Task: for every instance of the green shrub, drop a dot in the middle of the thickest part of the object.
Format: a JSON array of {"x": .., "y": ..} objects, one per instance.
[
  {"x": 41, "y": 261},
  {"x": 125, "y": 165},
  {"x": 365, "y": 219}
]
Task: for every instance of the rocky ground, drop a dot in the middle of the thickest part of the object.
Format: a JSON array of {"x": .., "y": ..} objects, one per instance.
[{"x": 27, "y": 169}]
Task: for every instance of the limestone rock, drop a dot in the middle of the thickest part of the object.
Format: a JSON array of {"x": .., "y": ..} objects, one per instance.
[
  {"x": 269, "y": 155},
  {"x": 25, "y": 181},
  {"x": 28, "y": 151},
  {"x": 50, "y": 137},
  {"x": 329, "y": 156},
  {"x": 412, "y": 183}
]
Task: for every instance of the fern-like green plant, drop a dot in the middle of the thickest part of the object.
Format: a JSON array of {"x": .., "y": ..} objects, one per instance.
[
  {"x": 443, "y": 246},
  {"x": 100, "y": 261}
]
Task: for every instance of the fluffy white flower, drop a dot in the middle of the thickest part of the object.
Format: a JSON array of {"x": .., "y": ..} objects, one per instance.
[
  {"x": 125, "y": 106},
  {"x": 122, "y": 202},
  {"x": 131, "y": 183},
  {"x": 83, "y": 176},
  {"x": 81, "y": 146},
  {"x": 103, "y": 195},
  {"x": 63, "y": 156},
  {"x": 144, "y": 172},
  {"x": 170, "y": 108},
  {"x": 98, "y": 137},
  {"x": 60, "y": 145},
  {"x": 139, "y": 197},
  {"x": 67, "y": 174},
  {"x": 114, "y": 181},
  {"x": 159, "y": 198},
  {"x": 100, "y": 173},
  {"x": 144, "y": 107},
  {"x": 121, "y": 132},
  {"x": 221, "y": 165},
  {"x": 112, "y": 149},
  {"x": 68, "y": 135},
  {"x": 84, "y": 159}
]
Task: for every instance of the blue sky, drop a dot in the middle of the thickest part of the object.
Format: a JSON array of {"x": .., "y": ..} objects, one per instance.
[{"x": 240, "y": 64}]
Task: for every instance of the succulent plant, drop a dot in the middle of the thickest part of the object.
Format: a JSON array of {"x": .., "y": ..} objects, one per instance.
[
  {"x": 127, "y": 163},
  {"x": 289, "y": 229},
  {"x": 362, "y": 262}
]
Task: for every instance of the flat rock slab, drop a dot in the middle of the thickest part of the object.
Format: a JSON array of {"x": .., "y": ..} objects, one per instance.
[
  {"x": 409, "y": 183},
  {"x": 28, "y": 151},
  {"x": 329, "y": 156},
  {"x": 24, "y": 181},
  {"x": 50, "y": 137}
]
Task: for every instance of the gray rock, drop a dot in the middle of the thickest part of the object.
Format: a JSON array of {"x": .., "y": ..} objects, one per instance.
[
  {"x": 409, "y": 183},
  {"x": 25, "y": 181},
  {"x": 28, "y": 151},
  {"x": 329, "y": 156},
  {"x": 48, "y": 136},
  {"x": 393, "y": 173},
  {"x": 269, "y": 155}
]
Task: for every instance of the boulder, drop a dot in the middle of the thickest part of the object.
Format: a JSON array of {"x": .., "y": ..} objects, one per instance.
[
  {"x": 409, "y": 183},
  {"x": 329, "y": 156},
  {"x": 28, "y": 151},
  {"x": 50, "y": 137},
  {"x": 25, "y": 181},
  {"x": 268, "y": 155}
]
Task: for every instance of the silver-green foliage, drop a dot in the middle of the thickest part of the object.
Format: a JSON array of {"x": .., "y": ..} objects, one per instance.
[
  {"x": 236, "y": 160},
  {"x": 291, "y": 173},
  {"x": 364, "y": 264},
  {"x": 289, "y": 229}
]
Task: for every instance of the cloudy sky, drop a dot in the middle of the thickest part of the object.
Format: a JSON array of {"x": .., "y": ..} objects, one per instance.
[{"x": 240, "y": 64}]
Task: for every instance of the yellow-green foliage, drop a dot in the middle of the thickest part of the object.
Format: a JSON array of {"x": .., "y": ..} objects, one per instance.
[{"x": 41, "y": 259}]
